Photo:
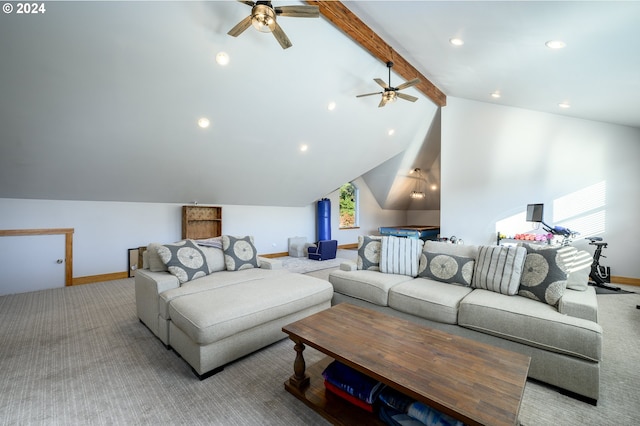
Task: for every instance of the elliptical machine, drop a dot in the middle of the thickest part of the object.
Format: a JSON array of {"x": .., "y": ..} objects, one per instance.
[{"x": 599, "y": 274}]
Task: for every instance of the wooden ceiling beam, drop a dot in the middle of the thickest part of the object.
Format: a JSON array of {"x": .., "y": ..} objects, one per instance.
[{"x": 350, "y": 24}]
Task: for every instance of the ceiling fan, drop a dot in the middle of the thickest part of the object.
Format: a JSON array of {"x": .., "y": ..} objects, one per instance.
[
  {"x": 390, "y": 93},
  {"x": 263, "y": 18}
]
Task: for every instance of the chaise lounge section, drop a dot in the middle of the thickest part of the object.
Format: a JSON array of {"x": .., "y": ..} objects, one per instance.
[{"x": 239, "y": 306}]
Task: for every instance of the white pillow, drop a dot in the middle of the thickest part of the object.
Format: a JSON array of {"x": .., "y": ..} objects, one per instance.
[
  {"x": 215, "y": 258},
  {"x": 155, "y": 262},
  {"x": 578, "y": 271},
  {"x": 400, "y": 255}
]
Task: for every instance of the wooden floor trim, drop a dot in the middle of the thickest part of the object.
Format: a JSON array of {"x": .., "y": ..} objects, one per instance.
[{"x": 625, "y": 280}]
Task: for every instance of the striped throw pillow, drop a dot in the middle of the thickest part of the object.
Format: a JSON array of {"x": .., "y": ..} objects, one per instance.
[
  {"x": 499, "y": 268},
  {"x": 400, "y": 255}
]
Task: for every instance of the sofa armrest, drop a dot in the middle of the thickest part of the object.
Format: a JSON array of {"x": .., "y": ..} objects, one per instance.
[
  {"x": 148, "y": 286},
  {"x": 348, "y": 266},
  {"x": 579, "y": 304},
  {"x": 268, "y": 263}
]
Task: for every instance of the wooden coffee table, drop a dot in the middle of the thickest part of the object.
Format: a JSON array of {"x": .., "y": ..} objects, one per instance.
[{"x": 471, "y": 381}]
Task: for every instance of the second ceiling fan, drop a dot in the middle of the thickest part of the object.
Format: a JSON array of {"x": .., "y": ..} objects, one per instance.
[
  {"x": 390, "y": 93},
  {"x": 263, "y": 18}
]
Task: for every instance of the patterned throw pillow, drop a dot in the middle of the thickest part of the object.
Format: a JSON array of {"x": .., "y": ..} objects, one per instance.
[
  {"x": 400, "y": 255},
  {"x": 369, "y": 253},
  {"x": 184, "y": 260},
  {"x": 498, "y": 268},
  {"x": 446, "y": 268},
  {"x": 239, "y": 253},
  {"x": 545, "y": 274}
]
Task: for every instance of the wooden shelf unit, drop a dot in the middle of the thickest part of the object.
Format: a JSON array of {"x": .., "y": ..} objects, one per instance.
[{"x": 199, "y": 222}]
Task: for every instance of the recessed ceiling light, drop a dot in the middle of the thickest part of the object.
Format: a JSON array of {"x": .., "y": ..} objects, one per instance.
[
  {"x": 434, "y": 187},
  {"x": 456, "y": 41},
  {"x": 564, "y": 105},
  {"x": 331, "y": 106},
  {"x": 555, "y": 44},
  {"x": 391, "y": 132},
  {"x": 222, "y": 58},
  {"x": 495, "y": 95},
  {"x": 304, "y": 147},
  {"x": 203, "y": 122}
]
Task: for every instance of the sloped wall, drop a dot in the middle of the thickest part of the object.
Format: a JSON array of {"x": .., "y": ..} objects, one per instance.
[{"x": 496, "y": 160}]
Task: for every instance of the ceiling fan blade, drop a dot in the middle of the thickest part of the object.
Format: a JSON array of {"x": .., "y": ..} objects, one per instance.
[
  {"x": 298, "y": 11},
  {"x": 406, "y": 97},
  {"x": 247, "y": 2},
  {"x": 240, "y": 27},
  {"x": 282, "y": 38},
  {"x": 409, "y": 84},
  {"x": 383, "y": 102},
  {"x": 381, "y": 83},
  {"x": 369, "y": 94}
]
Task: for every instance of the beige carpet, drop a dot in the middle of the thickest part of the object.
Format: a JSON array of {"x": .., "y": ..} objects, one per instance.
[{"x": 79, "y": 356}]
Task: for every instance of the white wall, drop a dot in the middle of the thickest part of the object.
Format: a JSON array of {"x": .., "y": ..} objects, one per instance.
[
  {"x": 496, "y": 160},
  {"x": 423, "y": 217},
  {"x": 104, "y": 231}
]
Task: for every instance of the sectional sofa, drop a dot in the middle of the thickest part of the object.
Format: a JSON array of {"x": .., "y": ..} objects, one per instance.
[
  {"x": 531, "y": 299},
  {"x": 214, "y": 301}
]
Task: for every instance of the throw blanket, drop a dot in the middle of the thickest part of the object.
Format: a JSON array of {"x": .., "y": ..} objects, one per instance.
[{"x": 400, "y": 255}]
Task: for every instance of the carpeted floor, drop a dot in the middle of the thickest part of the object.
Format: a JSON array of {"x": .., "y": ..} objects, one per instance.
[{"x": 79, "y": 355}]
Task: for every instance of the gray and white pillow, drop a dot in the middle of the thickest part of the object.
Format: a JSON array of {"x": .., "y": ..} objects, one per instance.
[
  {"x": 446, "y": 268},
  {"x": 545, "y": 274},
  {"x": 400, "y": 255},
  {"x": 499, "y": 268},
  {"x": 369, "y": 253},
  {"x": 184, "y": 260},
  {"x": 239, "y": 253}
]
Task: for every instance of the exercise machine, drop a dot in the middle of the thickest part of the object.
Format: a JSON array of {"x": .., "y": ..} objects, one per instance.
[{"x": 599, "y": 274}]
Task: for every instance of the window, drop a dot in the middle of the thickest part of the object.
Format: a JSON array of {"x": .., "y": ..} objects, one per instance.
[{"x": 348, "y": 206}]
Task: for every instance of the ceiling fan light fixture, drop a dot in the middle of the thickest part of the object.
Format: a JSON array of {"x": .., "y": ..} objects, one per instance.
[
  {"x": 263, "y": 18},
  {"x": 390, "y": 96}
]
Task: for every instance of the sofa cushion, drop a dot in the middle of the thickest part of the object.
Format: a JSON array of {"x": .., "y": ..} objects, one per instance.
[
  {"x": 212, "y": 315},
  {"x": 371, "y": 286},
  {"x": 369, "y": 249},
  {"x": 184, "y": 259},
  {"x": 153, "y": 258},
  {"x": 215, "y": 258},
  {"x": 239, "y": 253},
  {"x": 544, "y": 277},
  {"x": 498, "y": 268},
  {"x": 446, "y": 268},
  {"x": 428, "y": 299},
  {"x": 532, "y": 323},
  {"x": 213, "y": 281},
  {"x": 400, "y": 255},
  {"x": 464, "y": 250}
]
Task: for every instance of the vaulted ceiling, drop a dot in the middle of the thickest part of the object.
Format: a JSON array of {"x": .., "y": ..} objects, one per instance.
[{"x": 101, "y": 100}]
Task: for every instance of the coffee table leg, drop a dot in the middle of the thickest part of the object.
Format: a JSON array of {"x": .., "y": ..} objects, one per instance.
[{"x": 300, "y": 378}]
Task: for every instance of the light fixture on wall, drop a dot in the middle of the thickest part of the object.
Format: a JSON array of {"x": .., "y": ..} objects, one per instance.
[{"x": 417, "y": 193}]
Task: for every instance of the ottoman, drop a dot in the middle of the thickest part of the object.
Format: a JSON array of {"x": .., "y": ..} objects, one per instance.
[{"x": 212, "y": 328}]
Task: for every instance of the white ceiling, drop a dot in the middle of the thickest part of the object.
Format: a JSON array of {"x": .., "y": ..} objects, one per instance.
[
  {"x": 597, "y": 73},
  {"x": 100, "y": 100}
]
